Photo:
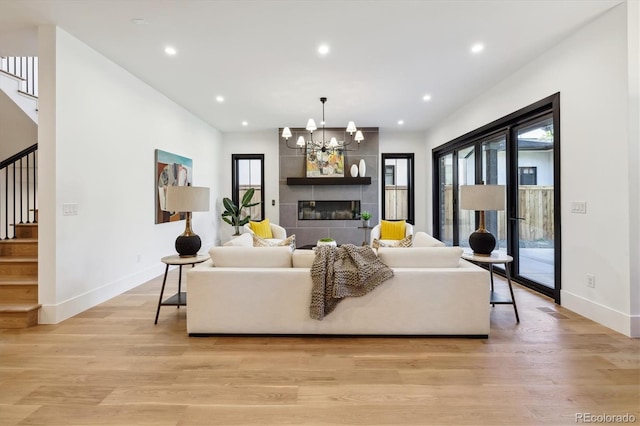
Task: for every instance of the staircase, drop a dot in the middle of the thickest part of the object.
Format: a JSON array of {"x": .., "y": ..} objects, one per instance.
[
  {"x": 19, "y": 240},
  {"x": 18, "y": 203},
  {"x": 19, "y": 277}
]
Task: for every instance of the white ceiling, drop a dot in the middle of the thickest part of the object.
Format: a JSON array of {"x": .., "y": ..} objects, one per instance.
[{"x": 262, "y": 55}]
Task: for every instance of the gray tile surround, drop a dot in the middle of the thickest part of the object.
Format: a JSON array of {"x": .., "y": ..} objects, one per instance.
[{"x": 307, "y": 232}]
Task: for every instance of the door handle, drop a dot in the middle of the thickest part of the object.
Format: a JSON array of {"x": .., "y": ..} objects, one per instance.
[{"x": 516, "y": 218}]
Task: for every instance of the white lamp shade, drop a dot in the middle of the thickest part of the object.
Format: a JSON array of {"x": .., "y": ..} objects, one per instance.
[
  {"x": 286, "y": 133},
  {"x": 311, "y": 125},
  {"x": 187, "y": 199},
  {"x": 333, "y": 143},
  {"x": 300, "y": 141},
  {"x": 351, "y": 127},
  {"x": 482, "y": 197},
  {"x": 359, "y": 137}
]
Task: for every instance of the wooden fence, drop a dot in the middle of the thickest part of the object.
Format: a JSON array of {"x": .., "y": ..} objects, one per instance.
[
  {"x": 396, "y": 202},
  {"x": 535, "y": 207}
]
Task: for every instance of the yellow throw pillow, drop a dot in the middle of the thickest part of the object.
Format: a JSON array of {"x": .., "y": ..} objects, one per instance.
[
  {"x": 392, "y": 230},
  {"x": 262, "y": 229}
]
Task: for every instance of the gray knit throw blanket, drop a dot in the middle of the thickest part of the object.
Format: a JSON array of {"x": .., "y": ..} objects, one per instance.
[{"x": 344, "y": 271}]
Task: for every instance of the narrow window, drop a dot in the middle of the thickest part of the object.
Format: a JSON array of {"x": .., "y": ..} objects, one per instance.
[
  {"x": 397, "y": 187},
  {"x": 248, "y": 172}
]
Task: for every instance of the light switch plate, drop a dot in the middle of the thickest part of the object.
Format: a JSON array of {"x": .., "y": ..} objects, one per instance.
[
  {"x": 70, "y": 209},
  {"x": 579, "y": 207}
]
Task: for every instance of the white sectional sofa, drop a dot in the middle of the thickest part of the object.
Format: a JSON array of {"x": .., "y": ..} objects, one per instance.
[{"x": 267, "y": 290}]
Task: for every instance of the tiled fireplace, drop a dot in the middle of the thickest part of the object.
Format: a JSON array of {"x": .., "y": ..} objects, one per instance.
[{"x": 324, "y": 207}]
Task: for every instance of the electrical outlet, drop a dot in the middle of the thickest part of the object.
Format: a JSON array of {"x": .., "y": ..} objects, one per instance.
[
  {"x": 591, "y": 280},
  {"x": 579, "y": 207}
]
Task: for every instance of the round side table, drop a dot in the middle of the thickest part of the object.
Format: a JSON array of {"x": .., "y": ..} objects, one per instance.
[
  {"x": 180, "y": 298},
  {"x": 496, "y": 257}
]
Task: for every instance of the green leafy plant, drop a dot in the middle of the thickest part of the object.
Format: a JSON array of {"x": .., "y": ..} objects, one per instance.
[
  {"x": 233, "y": 213},
  {"x": 365, "y": 215},
  {"x": 326, "y": 240}
]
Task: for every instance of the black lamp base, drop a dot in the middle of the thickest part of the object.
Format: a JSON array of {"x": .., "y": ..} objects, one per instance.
[
  {"x": 482, "y": 243},
  {"x": 188, "y": 246}
]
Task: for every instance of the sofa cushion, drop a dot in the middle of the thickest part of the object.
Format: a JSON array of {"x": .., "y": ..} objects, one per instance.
[
  {"x": 392, "y": 230},
  {"x": 422, "y": 239},
  {"x": 262, "y": 229},
  {"x": 405, "y": 242},
  {"x": 243, "y": 240},
  {"x": 420, "y": 257},
  {"x": 303, "y": 258},
  {"x": 251, "y": 257}
]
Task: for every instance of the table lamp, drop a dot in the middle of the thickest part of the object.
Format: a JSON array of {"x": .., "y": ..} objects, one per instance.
[
  {"x": 187, "y": 199},
  {"x": 482, "y": 198}
]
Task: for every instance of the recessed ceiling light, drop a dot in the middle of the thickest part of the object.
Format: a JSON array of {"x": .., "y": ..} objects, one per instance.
[
  {"x": 220, "y": 98},
  {"x": 139, "y": 21},
  {"x": 171, "y": 51},
  {"x": 244, "y": 123},
  {"x": 477, "y": 48},
  {"x": 400, "y": 122},
  {"x": 426, "y": 98},
  {"x": 323, "y": 49}
]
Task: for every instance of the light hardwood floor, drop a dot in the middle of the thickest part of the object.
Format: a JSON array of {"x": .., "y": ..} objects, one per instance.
[{"x": 112, "y": 366}]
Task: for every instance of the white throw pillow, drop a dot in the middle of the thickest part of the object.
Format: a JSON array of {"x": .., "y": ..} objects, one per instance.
[
  {"x": 243, "y": 240},
  {"x": 420, "y": 257},
  {"x": 422, "y": 239}
]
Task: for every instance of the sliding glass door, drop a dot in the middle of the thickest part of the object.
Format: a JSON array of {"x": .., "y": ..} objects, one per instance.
[
  {"x": 520, "y": 152},
  {"x": 533, "y": 222}
]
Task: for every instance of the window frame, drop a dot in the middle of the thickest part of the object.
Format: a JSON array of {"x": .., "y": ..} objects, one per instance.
[
  {"x": 235, "y": 186},
  {"x": 410, "y": 157}
]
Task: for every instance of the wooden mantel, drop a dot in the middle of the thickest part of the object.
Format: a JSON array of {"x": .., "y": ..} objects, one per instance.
[{"x": 329, "y": 181}]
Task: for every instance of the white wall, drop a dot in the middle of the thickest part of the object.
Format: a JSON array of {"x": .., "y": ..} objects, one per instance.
[
  {"x": 590, "y": 70},
  {"x": 633, "y": 37},
  {"x": 250, "y": 143},
  {"x": 99, "y": 127},
  {"x": 406, "y": 142},
  {"x": 17, "y": 130}
]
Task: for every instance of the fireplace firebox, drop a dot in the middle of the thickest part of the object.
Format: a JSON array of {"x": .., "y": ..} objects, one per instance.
[{"x": 329, "y": 210}]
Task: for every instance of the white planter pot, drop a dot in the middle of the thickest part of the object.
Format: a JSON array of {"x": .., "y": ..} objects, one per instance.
[{"x": 326, "y": 243}]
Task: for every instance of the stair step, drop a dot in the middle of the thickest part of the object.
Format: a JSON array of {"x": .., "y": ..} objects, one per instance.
[
  {"x": 19, "y": 247},
  {"x": 26, "y": 230},
  {"x": 18, "y": 292},
  {"x": 27, "y": 266},
  {"x": 19, "y": 315}
]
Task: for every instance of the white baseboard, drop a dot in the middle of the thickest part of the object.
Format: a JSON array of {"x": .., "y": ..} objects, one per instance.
[
  {"x": 53, "y": 314},
  {"x": 629, "y": 325}
]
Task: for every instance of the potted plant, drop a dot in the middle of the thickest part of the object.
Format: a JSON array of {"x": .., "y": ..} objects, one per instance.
[
  {"x": 326, "y": 242},
  {"x": 366, "y": 217},
  {"x": 232, "y": 213}
]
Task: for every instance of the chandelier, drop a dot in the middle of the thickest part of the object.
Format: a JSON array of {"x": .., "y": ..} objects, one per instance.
[{"x": 322, "y": 145}]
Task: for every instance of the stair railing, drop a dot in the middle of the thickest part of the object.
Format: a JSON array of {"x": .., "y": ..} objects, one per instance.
[
  {"x": 18, "y": 186},
  {"x": 25, "y": 67}
]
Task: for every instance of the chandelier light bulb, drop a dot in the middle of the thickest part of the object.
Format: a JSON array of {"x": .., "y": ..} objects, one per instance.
[
  {"x": 300, "y": 142},
  {"x": 333, "y": 143},
  {"x": 286, "y": 133},
  {"x": 359, "y": 136},
  {"x": 351, "y": 127}
]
